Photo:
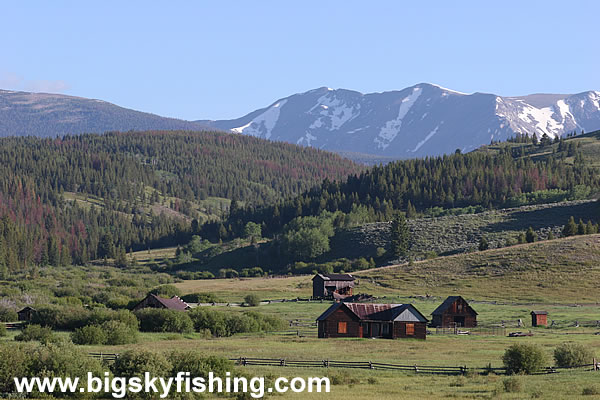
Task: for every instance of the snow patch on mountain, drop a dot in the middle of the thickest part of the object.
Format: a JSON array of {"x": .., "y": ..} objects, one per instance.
[
  {"x": 262, "y": 126},
  {"x": 335, "y": 110},
  {"x": 542, "y": 119},
  {"x": 429, "y": 136},
  {"x": 391, "y": 129}
]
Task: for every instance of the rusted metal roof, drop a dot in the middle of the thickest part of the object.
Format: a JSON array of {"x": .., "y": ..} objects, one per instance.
[
  {"x": 372, "y": 312},
  {"x": 174, "y": 303}
]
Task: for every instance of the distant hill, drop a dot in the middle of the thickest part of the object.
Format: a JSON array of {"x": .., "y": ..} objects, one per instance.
[
  {"x": 145, "y": 189},
  {"x": 49, "y": 115}
]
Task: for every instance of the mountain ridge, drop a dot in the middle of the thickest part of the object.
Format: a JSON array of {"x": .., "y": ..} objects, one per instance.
[
  {"x": 422, "y": 120},
  {"x": 418, "y": 121}
]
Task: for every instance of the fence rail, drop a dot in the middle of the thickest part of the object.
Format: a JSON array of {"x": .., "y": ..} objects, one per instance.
[
  {"x": 108, "y": 357},
  {"x": 426, "y": 369}
]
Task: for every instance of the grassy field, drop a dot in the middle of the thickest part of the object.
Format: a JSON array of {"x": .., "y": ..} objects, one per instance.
[{"x": 560, "y": 276}]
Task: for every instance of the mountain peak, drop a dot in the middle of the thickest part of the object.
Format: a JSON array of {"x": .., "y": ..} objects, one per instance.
[{"x": 420, "y": 120}]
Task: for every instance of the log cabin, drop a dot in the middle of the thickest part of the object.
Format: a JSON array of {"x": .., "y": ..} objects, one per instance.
[
  {"x": 454, "y": 312},
  {"x": 365, "y": 320},
  {"x": 332, "y": 286}
]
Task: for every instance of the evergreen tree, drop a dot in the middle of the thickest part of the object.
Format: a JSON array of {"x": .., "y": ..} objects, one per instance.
[
  {"x": 550, "y": 235},
  {"x": 400, "y": 236},
  {"x": 581, "y": 227},
  {"x": 530, "y": 235},
  {"x": 483, "y": 244},
  {"x": 570, "y": 228},
  {"x": 106, "y": 246}
]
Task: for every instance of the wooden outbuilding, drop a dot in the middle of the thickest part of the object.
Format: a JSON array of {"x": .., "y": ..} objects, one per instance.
[
  {"x": 454, "y": 312},
  {"x": 364, "y": 320},
  {"x": 154, "y": 301},
  {"x": 539, "y": 318},
  {"x": 327, "y": 286},
  {"x": 26, "y": 313}
]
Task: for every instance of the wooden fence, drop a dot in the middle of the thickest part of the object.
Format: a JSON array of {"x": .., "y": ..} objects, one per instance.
[
  {"x": 424, "y": 369},
  {"x": 414, "y": 368},
  {"x": 107, "y": 357}
]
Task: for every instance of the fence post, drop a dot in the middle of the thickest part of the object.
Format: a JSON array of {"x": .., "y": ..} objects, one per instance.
[
  {"x": 370, "y": 365},
  {"x": 416, "y": 369},
  {"x": 326, "y": 363},
  {"x": 282, "y": 362},
  {"x": 595, "y": 364}
]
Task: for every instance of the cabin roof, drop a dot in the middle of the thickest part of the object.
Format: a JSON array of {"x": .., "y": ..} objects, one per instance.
[
  {"x": 447, "y": 303},
  {"x": 539, "y": 312},
  {"x": 26, "y": 309},
  {"x": 335, "y": 277},
  {"x": 374, "y": 312},
  {"x": 174, "y": 303}
]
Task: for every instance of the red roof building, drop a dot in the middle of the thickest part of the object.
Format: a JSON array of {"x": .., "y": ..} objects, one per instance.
[
  {"x": 364, "y": 320},
  {"x": 154, "y": 301}
]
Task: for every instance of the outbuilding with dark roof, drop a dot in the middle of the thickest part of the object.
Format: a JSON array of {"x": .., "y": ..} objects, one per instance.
[
  {"x": 454, "y": 312},
  {"x": 365, "y": 320}
]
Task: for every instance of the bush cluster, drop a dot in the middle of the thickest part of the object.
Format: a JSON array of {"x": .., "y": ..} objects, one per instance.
[
  {"x": 64, "y": 359},
  {"x": 42, "y": 334},
  {"x": 221, "y": 323},
  {"x": 71, "y": 318},
  {"x": 162, "y": 320},
  {"x": 110, "y": 332}
]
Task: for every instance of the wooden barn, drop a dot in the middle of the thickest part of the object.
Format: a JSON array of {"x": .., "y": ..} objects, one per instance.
[
  {"x": 364, "y": 320},
  {"x": 454, "y": 312},
  {"x": 539, "y": 318},
  {"x": 154, "y": 301},
  {"x": 26, "y": 313},
  {"x": 332, "y": 286}
]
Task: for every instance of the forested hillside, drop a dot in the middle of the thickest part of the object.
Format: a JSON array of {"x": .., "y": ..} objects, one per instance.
[
  {"x": 81, "y": 197},
  {"x": 508, "y": 175}
]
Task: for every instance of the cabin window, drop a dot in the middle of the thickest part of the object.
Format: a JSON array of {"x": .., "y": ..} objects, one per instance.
[
  {"x": 385, "y": 329},
  {"x": 410, "y": 329},
  {"x": 460, "y": 307},
  {"x": 342, "y": 327}
]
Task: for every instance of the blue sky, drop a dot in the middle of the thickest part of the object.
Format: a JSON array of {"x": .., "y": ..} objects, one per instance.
[{"x": 222, "y": 59}]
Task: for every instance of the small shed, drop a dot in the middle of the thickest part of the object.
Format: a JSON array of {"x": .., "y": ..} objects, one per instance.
[
  {"x": 26, "y": 313},
  {"x": 454, "y": 312},
  {"x": 365, "y": 320},
  {"x": 332, "y": 286},
  {"x": 539, "y": 318},
  {"x": 154, "y": 301}
]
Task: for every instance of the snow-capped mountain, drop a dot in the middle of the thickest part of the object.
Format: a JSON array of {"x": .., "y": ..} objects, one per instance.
[{"x": 418, "y": 121}]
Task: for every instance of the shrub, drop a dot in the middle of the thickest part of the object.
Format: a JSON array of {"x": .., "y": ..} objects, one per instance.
[
  {"x": 167, "y": 291},
  {"x": 197, "y": 364},
  {"x": 8, "y": 315},
  {"x": 523, "y": 358},
  {"x": 136, "y": 362},
  {"x": 42, "y": 334},
  {"x": 118, "y": 332},
  {"x": 590, "y": 391},
  {"x": 161, "y": 320},
  {"x": 90, "y": 334},
  {"x": 512, "y": 385},
  {"x": 572, "y": 354},
  {"x": 55, "y": 359},
  {"x": 252, "y": 300},
  {"x": 13, "y": 362},
  {"x": 201, "y": 298}
]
